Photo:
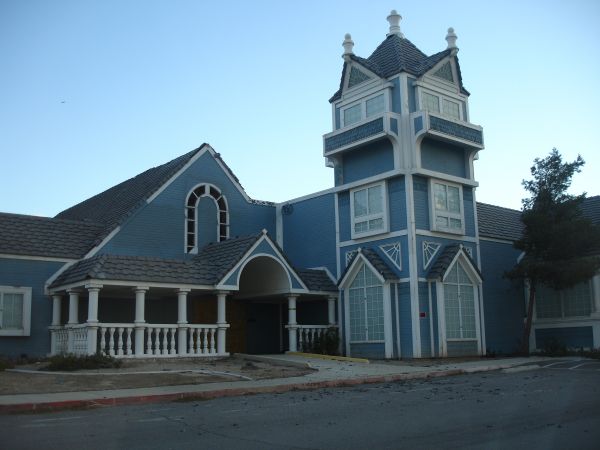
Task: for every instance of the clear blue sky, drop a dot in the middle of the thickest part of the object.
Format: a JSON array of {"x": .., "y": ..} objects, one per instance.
[{"x": 94, "y": 92}]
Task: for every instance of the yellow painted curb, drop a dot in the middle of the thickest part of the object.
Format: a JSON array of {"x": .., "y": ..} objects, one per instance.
[{"x": 335, "y": 358}]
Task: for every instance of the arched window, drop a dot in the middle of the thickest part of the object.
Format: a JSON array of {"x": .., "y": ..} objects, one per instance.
[
  {"x": 459, "y": 296},
  {"x": 365, "y": 297},
  {"x": 222, "y": 219}
]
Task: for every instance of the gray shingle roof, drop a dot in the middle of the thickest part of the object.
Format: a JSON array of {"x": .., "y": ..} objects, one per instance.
[
  {"x": 394, "y": 55},
  {"x": 317, "y": 280},
  {"x": 379, "y": 263},
  {"x": 443, "y": 260},
  {"x": 498, "y": 222},
  {"x": 44, "y": 236},
  {"x": 114, "y": 205},
  {"x": 591, "y": 209}
]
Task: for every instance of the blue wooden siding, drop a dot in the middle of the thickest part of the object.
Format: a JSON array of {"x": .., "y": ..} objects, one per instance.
[
  {"x": 503, "y": 300},
  {"x": 443, "y": 157},
  {"x": 469, "y": 212},
  {"x": 367, "y": 350},
  {"x": 368, "y": 160},
  {"x": 397, "y": 203},
  {"x": 462, "y": 348},
  {"x": 405, "y": 320},
  {"x": 309, "y": 233},
  {"x": 337, "y": 118},
  {"x": 157, "y": 229},
  {"x": 424, "y": 322},
  {"x": 345, "y": 226},
  {"x": 421, "y": 199},
  {"x": 33, "y": 274},
  {"x": 570, "y": 337}
]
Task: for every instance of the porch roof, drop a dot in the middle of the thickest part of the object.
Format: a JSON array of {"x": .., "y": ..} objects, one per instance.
[{"x": 205, "y": 269}]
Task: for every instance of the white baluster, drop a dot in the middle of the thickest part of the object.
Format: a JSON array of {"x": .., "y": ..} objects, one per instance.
[
  {"x": 300, "y": 339},
  {"x": 165, "y": 348},
  {"x": 205, "y": 341},
  {"x": 172, "y": 342},
  {"x": 212, "y": 341},
  {"x": 191, "y": 344},
  {"x": 103, "y": 340},
  {"x": 111, "y": 342},
  {"x": 149, "y": 341},
  {"x": 156, "y": 341},
  {"x": 120, "y": 342},
  {"x": 129, "y": 331}
]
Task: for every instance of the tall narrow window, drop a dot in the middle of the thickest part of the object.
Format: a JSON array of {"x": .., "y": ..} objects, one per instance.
[
  {"x": 365, "y": 298},
  {"x": 222, "y": 219},
  {"x": 368, "y": 211},
  {"x": 15, "y": 311},
  {"x": 459, "y": 298},
  {"x": 447, "y": 207}
]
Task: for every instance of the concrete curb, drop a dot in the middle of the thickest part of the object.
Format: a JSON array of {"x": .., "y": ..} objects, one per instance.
[
  {"x": 330, "y": 357},
  {"x": 229, "y": 392},
  {"x": 275, "y": 361}
]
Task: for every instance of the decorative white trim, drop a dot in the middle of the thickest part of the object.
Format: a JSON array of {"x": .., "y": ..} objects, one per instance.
[
  {"x": 206, "y": 194},
  {"x": 431, "y": 339},
  {"x": 355, "y": 267},
  {"x": 445, "y": 177},
  {"x": 446, "y": 236},
  {"x": 134, "y": 284},
  {"x": 387, "y": 321},
  {"x": 383, "y": 236},
  {"x": 396, "y": 249},
  {"x": 413, "y": 267},
  {"x": 428, "y": 252},
  {"x": 397, "y": 307}
]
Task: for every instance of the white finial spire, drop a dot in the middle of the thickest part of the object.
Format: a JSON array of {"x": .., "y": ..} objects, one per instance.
[
  {"x": 394, "y": 19},
  {"x": 451, "y": 38},
  {"x": 348, "y": 44}
]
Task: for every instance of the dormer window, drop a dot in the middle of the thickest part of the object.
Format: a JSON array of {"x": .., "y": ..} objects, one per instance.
[
  {"x": 449, "y": 108},
  {"x": 363, "y": 109}
]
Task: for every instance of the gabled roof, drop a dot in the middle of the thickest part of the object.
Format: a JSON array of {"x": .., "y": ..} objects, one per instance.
[
  {"x": 445, "y": 258},
  {"x": 379, "y": 264},
  {"x": 111, "y": 207},
  {"x": 591, "y": 209},
  {"x": 397, "y": 54},
  {"x": 44, "y": 236},
  {"x": 499, "y": 223}
]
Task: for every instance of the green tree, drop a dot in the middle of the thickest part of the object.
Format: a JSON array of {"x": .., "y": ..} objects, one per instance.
[{"x": 560, "y": 245}]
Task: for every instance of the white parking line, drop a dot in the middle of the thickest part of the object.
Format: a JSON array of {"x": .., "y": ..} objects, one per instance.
[
  {"x": 559, "y": 362},
  {"x": 579, "y": 365},
  {"x": 57, "y": 419}
]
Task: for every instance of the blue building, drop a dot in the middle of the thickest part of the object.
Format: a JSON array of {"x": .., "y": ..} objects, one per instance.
[{"x": 397, "y": 255}]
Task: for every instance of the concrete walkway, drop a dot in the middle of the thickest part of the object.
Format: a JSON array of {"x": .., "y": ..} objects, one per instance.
[{"x": 329, "y": 373}]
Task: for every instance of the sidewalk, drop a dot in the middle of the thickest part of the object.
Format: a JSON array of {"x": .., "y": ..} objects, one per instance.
[{"x": 328, "y": 373}]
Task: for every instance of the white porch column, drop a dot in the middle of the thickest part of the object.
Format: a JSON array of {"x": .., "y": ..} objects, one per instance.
[
  {"x": 56, "y": 303},
  {"x": 73, "y": 317},
  {"x": 182, "y": 321},
  {"x": 92, "y": 321},
  {"x": 292, "y": 325},
  {"x": 221, "y": 322},
  {"x": 140, "y": 321},
  {"x": 331, "y": 309}
]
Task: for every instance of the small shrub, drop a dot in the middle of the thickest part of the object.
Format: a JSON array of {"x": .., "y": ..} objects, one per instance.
[
  {"x": 553, "y": 347},
  {"x": 70, "y": 362},
  {"x": 5, "y": 363}
]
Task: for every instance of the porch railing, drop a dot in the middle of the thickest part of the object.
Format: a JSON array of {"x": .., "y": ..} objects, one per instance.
[{"x": 119, "y": 339}]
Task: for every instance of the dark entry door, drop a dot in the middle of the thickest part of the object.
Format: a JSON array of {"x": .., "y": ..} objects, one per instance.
[{"x": 262, "y": 328}]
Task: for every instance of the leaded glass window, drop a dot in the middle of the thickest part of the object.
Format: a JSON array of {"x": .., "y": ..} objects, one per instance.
[
  {"x": 572, "y": 302},
  {"x": 451, "y": 109},
  {"x": 365, "y": 307},
  {"x": 459, "y": 299},
  {"x": 431, "y": 102}
]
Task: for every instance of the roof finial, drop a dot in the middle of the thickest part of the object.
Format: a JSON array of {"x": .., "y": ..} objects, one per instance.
[
  {"x": 347, "y": 44},
  {"x": 394, "y": 19},
  {"x": 451, "y": 38}
]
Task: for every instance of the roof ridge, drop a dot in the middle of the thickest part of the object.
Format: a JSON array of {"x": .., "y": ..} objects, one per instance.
[{"x": 497, "y": 206}]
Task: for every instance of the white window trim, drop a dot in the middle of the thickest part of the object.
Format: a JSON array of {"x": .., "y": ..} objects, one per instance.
[
  {"x": 384, "y": 215},
  {"x": 441, "y": 97},
  {"x": 26, "y": 328},
  {"x": 433, "y": 214},
  {"x": 363, "y": 107}
]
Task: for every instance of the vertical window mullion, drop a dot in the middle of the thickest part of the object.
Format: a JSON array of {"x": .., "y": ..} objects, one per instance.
[{"x": 366, "y": 313}]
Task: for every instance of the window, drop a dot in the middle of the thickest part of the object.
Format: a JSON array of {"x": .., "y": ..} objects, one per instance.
[
  {"x": 447, "y": 207},
  {"x": 352, "y": 114},
  {"x": 441, "y": 105},
  {"x": 374, "y": 105},
  {"x": 15, "y": 311},
  {"x": 369, "y": 211},
  {"x": 459, "y": 300},
  {"x": 205, "y": 190},
  {"x": 365, "y": 298},
  {"x": 573, "y": 302},
  {"x": 363, "y": 109}
]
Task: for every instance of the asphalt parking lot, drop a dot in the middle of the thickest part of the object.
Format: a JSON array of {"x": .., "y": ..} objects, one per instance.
[{"x": 575, "y": 364}]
